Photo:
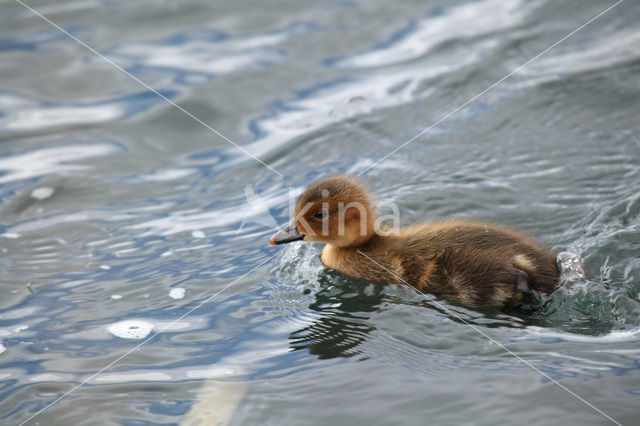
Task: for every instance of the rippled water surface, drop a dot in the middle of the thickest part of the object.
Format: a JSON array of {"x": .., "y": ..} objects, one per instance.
[{"x": 122, "y": 216}]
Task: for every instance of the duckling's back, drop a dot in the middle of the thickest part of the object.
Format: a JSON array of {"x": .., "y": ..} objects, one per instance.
[{"x": 475, "y": 264}]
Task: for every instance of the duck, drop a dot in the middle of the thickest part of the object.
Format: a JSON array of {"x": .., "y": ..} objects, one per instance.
[{"x": 471, "y": 263}]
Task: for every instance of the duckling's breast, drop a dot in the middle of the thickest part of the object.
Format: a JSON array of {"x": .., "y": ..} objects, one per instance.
[{"x": 363, "y": 264}]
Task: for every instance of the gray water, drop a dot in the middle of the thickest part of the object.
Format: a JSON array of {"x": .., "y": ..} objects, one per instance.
[{"x": 111, "y": 197}]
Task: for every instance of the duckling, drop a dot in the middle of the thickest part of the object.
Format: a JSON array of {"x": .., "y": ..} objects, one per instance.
[{"x": 475, "y": 264}]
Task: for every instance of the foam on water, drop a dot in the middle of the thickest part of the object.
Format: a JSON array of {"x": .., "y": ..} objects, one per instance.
[
  {"x": 10, "y": 235},
  {"x": 177, "y": 293},
  {"x": 42, "y": 192},
  {"x": 198, "y": 234},
  {"x": 131, "y": 329}
]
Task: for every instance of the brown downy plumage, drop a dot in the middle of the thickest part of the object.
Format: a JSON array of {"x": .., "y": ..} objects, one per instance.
[{"x": 475, "y": 264}]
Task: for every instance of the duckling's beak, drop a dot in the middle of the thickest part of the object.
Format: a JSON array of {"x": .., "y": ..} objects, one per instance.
[{"x": 287, "y": 235}]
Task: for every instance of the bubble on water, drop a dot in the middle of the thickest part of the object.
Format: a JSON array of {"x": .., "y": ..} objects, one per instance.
[
  {"x": 116, "y": 296},
  {"x": 131, "y": 329},
  {"x": 177, "y": 293},
  {"x": 2, "y": 348},
  {"x": 198, "y": 234},
  {"x": 42, "y": 192},
  {"x": 105, "y": 267}
]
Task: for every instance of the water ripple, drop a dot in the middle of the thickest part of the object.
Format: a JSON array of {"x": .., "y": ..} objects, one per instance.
[
  {"x": 113, "y": 209},
  {"x": 442, "y": 25},
  {"x": 21, "y": 113}
]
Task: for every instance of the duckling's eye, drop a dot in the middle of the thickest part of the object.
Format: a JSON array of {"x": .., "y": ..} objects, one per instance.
[{"x": 321, "y": 214}]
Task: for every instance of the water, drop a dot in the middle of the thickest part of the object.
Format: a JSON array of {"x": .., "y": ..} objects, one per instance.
[{"x": 111, "y": 200}]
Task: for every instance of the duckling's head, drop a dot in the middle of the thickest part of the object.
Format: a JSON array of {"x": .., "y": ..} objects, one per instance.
[{"x": 336, "y": 210}]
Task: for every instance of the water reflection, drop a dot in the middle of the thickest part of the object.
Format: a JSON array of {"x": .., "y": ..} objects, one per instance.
[
  {"x": 343, "y": 325},
  {"x": 197, "y": 56},
  {"x": 50, "y": 160},
  {"x": 350, "y": 308},
  {"x": 443, "y": 24}
]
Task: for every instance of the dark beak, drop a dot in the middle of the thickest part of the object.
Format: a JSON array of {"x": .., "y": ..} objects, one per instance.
[{"x": 287, "y": 235}]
